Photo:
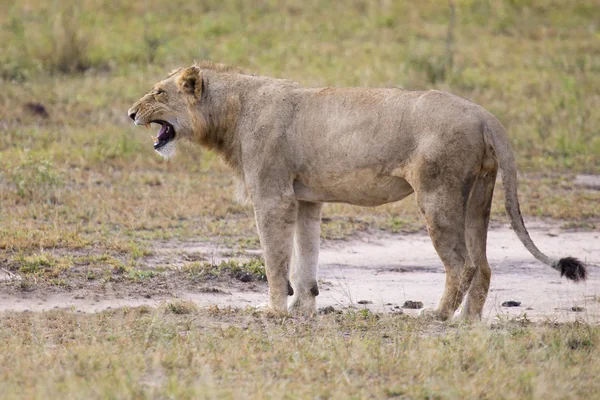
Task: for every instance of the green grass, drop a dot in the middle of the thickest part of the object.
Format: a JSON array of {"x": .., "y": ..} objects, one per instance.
[
  {"x": 179, "y": 351},
  {"x": 534, "y": 63},
  {"x": 254, "y": 269},
  {"x": 181, "y": 307}
]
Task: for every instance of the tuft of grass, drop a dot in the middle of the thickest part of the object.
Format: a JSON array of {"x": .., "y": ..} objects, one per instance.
[
  {"x": 140, "y": 275},
  {"x": 181, "y": 307},
  {"x": 26, "y": 285},
  {"x": 254, "y": 269},
  {"x": 44, "y": 266},
  {"x": 36, "y": 180}
]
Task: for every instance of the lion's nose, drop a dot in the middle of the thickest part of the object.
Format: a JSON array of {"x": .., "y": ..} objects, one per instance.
[{"x": 132, "y": 114}]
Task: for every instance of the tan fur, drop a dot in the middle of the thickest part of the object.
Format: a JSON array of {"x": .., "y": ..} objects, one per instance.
[{"x": 294, "y": 148}]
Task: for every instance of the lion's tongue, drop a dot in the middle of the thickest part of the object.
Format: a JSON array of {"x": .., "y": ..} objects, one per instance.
[{"x": 164, "y": 132}]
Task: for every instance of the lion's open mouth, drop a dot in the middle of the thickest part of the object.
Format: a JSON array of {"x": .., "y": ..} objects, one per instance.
[{"x": 165, "y": 135}]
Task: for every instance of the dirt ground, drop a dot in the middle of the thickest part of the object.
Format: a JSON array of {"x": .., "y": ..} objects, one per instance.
[{"x": 377, "y": 271}]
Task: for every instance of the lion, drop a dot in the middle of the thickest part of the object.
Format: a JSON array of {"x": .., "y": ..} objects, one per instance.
[{"x": 294, "y": 148}]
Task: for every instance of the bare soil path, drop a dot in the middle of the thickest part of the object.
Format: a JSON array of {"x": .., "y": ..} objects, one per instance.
[
  {"x": 377, "y": 271},
  {"x": 389, "y": 271}
]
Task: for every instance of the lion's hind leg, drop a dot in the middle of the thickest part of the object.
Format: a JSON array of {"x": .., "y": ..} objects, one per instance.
[
  {"x": 478, "y": 217},
  {"x": 443, "y": 204}
]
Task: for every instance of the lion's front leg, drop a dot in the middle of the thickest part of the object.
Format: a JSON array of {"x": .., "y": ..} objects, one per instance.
[
  {"x": 275, "y": 220},
  {"x": 303, "y": 274}
]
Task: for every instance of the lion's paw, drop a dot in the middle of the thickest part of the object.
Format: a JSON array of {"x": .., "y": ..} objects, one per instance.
[
  {"x": 261, "y": 306},
  {"x": 429, "y": 314},
  {"x": 268, "y": 311},
  {"x": 302, "y": 306}
]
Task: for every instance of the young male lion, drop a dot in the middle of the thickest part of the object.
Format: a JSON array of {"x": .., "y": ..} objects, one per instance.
[{"x": 295, "y": 148}]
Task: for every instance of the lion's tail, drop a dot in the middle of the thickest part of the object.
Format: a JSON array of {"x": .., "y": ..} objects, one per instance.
[{"x": 495, "y": 135}]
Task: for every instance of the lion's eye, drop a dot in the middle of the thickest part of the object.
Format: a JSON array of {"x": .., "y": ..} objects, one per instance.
[{"x": 160, "y": 91}]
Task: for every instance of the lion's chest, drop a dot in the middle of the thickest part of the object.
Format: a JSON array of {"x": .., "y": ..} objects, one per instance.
[{"x": 361, "y": 188}]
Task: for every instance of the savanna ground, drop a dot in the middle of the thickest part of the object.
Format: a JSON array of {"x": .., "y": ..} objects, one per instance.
[{"x": 87, "y": 209}]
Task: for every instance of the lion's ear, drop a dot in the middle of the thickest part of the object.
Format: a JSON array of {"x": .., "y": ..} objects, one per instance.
[{"x": 190, "y": 81}]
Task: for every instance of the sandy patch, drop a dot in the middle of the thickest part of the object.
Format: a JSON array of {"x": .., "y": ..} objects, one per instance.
[{"x": 380, "y": 272}]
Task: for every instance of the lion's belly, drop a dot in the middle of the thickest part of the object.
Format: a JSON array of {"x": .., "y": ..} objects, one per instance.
[{"x": 358, "y": 189}]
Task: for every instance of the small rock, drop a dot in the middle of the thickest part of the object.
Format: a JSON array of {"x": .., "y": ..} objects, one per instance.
[
  {"x": 413, "y": 305},
  {"x": 364, "y": 302},
  {"x": 577, "y": 309},
  {"x": 244, "y": 277},
  {"x": 553, "y": 232},
  {"x": 511, "y": 303},
  {"x": 326, "y": 310}
]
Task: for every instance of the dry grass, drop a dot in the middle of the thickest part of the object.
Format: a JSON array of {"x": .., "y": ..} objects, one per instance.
[{"x": 181, "y": 352}]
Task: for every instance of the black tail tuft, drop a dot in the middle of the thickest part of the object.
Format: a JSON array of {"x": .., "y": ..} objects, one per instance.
[{"x": 572, "y": 268}]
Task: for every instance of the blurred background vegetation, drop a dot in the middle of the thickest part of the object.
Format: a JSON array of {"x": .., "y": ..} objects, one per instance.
[
  {"x": 533, "y": 63},
  {"x": 75, "y": 172}
]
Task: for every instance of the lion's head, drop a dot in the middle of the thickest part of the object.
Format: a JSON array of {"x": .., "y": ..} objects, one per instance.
[{"x": 172, "y": 104}]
